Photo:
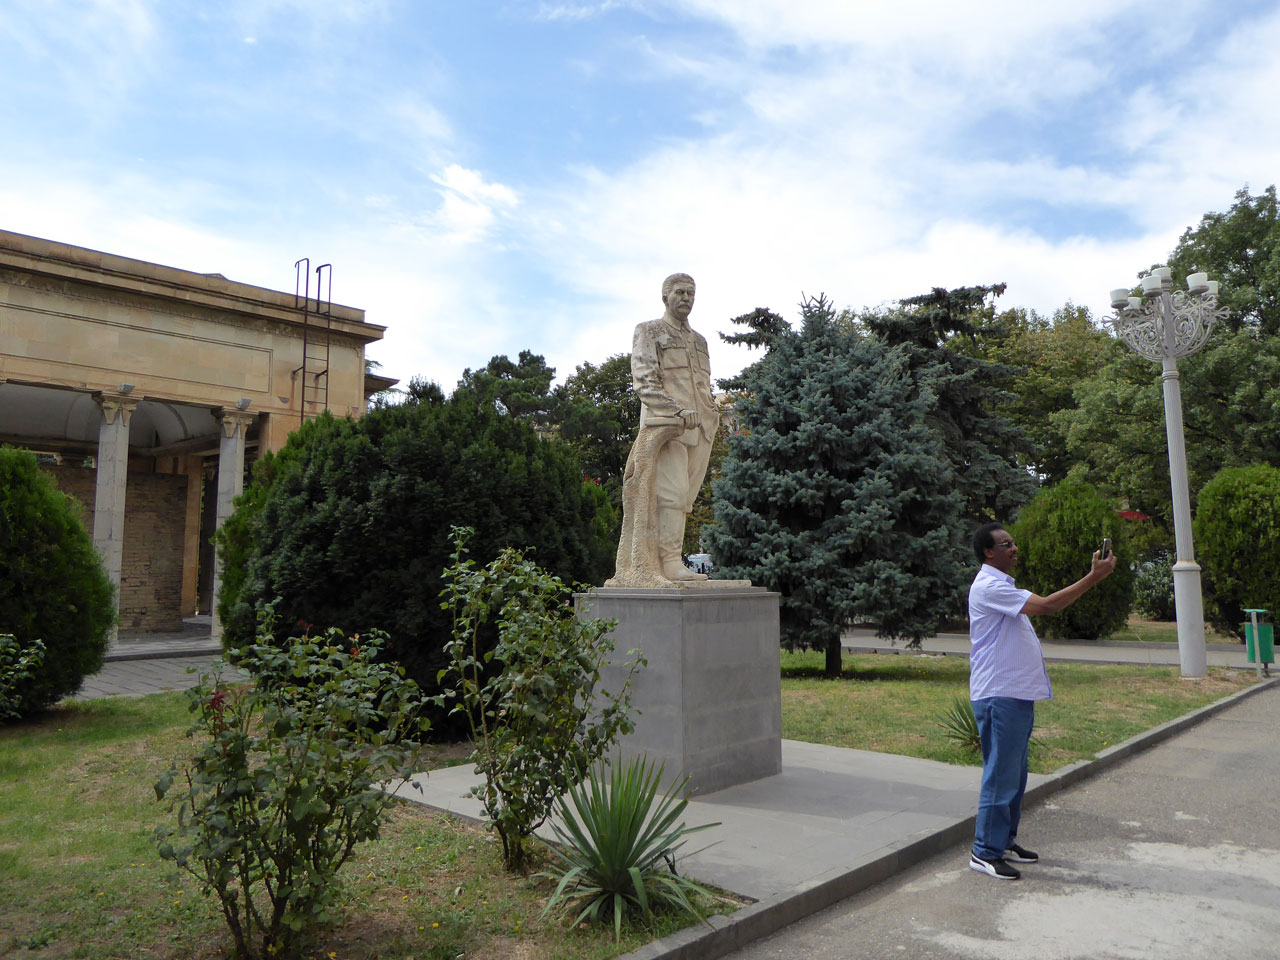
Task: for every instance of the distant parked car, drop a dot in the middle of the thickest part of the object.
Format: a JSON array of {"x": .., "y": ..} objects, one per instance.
[{"x": 701, "y": 563}]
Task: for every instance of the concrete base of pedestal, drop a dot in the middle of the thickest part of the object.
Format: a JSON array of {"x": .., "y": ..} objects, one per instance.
[{"x": 709, "y": 703}]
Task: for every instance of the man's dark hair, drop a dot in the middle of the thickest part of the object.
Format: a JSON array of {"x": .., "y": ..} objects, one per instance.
[{"x": 984, "y": 541}]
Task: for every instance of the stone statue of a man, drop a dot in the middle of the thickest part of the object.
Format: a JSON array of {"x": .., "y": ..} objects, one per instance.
[{"x": 671, "y": 373}]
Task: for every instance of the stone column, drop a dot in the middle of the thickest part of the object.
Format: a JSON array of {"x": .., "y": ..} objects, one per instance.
[
  {"x": 113, "y": 471},
  {"x": 235, "y": 424},
  {"x": 193, "y": 468}
]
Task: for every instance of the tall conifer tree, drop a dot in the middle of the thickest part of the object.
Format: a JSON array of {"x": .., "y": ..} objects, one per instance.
[
  {"x": 836, "y": 492},
  {"x": 983, "y": 445}
]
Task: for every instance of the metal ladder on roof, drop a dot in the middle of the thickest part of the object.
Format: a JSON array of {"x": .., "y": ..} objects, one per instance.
[{"x": 317, "y": 320}]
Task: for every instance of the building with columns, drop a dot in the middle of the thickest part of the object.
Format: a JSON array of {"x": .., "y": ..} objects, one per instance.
[{"x": 145, "y": 389}]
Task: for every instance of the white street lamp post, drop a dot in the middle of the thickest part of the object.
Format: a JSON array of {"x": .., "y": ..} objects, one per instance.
[{"x": 1164, "y": 324}]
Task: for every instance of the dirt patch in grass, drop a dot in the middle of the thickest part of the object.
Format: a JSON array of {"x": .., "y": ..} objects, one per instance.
[
  {"x": 502, "y": 948},
  {"x": 434, "y": 756}
]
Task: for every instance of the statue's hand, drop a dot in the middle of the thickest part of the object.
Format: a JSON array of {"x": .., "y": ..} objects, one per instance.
[{"x": 690, "y": 418}]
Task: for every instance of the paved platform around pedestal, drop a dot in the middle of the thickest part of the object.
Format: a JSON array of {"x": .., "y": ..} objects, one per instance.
[
  {"x": 829, "y": 807},
  {"x": 833, "y": 823}
]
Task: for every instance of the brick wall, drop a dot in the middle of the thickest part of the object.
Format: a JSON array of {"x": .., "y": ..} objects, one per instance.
[{"x": 151, "y": 566}]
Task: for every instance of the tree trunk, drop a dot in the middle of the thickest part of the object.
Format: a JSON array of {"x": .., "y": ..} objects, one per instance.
[{"x": 834, "y": 651}]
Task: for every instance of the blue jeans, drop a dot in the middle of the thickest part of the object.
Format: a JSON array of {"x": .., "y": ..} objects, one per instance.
[{"x": 1004, "y": 729}]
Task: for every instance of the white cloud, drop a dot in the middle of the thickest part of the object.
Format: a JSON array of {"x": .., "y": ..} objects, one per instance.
[
  {"x": 869, "y": 151},
  {"x": 552, "y": 12},
  {"x": 470, "y": 206},
  {"x": 94, "y": 53},
  {"x": 855, "y": 175}
]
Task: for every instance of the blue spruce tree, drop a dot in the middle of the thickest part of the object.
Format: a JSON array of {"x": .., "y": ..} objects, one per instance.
[
  {"x": 982, "y": 444},
  {"x": 837, "y": 493}
]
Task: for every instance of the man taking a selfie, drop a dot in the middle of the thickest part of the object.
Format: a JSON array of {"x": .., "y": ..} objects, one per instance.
[{"x": 1006, "y": 677}]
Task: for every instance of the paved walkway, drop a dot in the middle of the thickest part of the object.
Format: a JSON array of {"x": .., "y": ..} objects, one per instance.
[
  {"x": 144, "y": 663},
  {"x": 148, "y": 663},
  {"x": 832, "y": 824},
  {"x": 1173, "y": 854}
]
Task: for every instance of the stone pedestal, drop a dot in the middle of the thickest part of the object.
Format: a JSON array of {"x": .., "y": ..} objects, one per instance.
[{"x": 709, "y": 704}]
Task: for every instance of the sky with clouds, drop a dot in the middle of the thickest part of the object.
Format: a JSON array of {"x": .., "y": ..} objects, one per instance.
[{"x": 488, "y": 176}]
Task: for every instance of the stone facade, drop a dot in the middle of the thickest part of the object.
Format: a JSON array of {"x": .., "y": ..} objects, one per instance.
[
  {"x": 151, "y": 569},
  {"x": 157, "y": 384}
]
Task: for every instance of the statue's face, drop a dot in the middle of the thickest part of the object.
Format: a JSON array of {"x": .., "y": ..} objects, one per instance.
[{"x": 680, "y": 299}]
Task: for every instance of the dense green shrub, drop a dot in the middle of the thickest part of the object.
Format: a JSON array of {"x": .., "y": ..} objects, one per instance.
[
  {"x": 349, "y": 524},
  {"x": 285, "y": 781},
  {"x": 1237, "y": 537},
  {"x": 1153, "y": 588},
  {"x": 538, "y": 722},
  {"x": 53, "y": 587},
  {"x": 18, "y": 668},
  {"x": 1057, "y": 533}
]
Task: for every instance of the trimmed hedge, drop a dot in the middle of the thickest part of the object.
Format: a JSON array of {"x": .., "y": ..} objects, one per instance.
[
  {"x": 1237, "y": 538},
  {"x": 1057, "y": 533},
  {"x": 53, "y": 587}
]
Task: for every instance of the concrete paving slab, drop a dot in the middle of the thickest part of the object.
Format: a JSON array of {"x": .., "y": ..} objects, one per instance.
[
  {"x": 137, "y": 678},
  {"x": 829, "y": 808},
  {"x": 1140, "y": 862},
  {"x": 193, "y": 640}
]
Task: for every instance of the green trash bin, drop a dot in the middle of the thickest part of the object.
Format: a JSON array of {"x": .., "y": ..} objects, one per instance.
[{"x": 1260, "y": 649}]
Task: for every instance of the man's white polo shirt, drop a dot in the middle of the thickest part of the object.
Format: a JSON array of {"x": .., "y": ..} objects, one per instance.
[{"x": 1005, "y": 660}]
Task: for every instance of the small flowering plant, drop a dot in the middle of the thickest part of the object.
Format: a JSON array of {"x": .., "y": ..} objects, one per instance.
[
  {"x": 285, "y": 779},
  {"x": 534, "y": 704}
]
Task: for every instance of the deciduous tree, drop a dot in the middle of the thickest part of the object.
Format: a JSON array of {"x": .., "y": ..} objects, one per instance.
[{"x": 1240, "y": 248}]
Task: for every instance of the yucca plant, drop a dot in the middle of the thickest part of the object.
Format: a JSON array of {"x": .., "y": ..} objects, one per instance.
[
  {"x": 960, "y": 724},
  {"x": 618, "y": 844}
]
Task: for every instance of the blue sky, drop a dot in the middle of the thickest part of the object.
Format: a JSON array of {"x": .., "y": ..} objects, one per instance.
[{"x": 489, "y": 176}]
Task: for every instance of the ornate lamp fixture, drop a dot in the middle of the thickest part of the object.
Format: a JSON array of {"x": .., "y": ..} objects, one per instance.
[{"x": 1162, "y": 325}]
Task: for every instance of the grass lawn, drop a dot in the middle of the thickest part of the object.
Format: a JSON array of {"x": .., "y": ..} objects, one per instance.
[
  {"x": 79, "y": 875},
  {"x": 1163, "y": 631},
  {"x": 892, "y": 704}
]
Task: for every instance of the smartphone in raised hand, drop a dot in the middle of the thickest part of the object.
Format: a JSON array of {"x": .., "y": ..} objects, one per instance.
[{"x": 1106, "y": 548}]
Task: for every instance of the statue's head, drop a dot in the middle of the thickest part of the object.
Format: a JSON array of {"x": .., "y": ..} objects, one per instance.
[
  {"x": 677, "y": 294},
  {"x": 672, "y": 280}
]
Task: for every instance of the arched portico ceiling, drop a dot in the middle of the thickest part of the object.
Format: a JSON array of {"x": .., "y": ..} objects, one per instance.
[{"x": 31, "y": 413}]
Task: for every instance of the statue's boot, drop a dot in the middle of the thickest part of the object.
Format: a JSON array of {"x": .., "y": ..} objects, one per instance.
[{"x": 670, "y": 540}]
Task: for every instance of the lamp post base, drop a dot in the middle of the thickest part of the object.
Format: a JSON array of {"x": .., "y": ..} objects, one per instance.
[{"x": 1189, "y": 606}]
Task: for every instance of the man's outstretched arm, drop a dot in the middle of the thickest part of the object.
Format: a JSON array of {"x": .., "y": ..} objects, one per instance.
[{"x": 1099, "y": 570}]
